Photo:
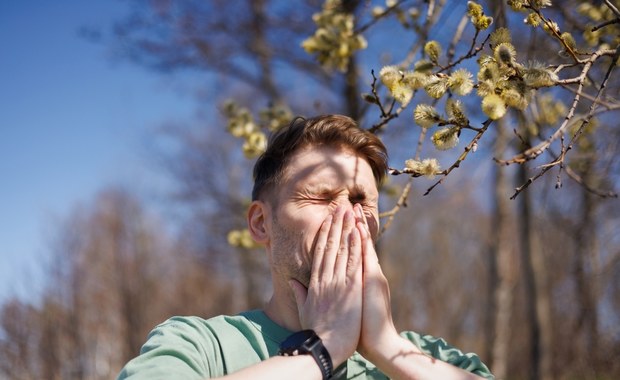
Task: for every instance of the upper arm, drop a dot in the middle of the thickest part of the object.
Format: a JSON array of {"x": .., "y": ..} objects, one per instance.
[{"x": 178, "y": 348}]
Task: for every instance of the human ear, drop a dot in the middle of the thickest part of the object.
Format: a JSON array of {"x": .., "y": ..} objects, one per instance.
[{"x": 257, "y": 221}]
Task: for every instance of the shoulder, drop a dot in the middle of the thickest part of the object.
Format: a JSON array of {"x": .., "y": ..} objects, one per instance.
[
  {"x": 198, "y": 348},
  {"x": 440, "y": 349},
  {"x": 186, "y": 347}
]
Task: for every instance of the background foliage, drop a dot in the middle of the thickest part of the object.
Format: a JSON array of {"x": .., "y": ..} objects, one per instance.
[{"x": 531, "y": 283}]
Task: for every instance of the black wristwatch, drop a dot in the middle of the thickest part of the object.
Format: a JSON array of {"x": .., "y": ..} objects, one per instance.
[{"x": 306, "y": 342}]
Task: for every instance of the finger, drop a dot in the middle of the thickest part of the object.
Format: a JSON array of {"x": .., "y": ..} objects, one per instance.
[
  {"x": 369, "y": 255},
  {"x": 319, "y": 249},
  {"x": 363, "y": 217},
  {"x": 354, "y": 263},
  {"x": 332, "y": 245},
  {"x": 342, "y": 257}
]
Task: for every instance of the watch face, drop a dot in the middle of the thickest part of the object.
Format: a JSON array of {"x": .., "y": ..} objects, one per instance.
[{"x": 297, "y": 340}]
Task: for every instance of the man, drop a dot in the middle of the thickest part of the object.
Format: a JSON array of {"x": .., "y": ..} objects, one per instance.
[{"x": 315, "y": 210}]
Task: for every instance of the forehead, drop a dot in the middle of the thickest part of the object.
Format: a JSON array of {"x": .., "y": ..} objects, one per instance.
[{"x": 325, "y": 165}]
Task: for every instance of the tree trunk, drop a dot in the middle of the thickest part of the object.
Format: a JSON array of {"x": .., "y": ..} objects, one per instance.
[
  {"x": 501, "y": 278},
  {"x": 538, "y": 307},
  {"x": 585, "y": 265}
]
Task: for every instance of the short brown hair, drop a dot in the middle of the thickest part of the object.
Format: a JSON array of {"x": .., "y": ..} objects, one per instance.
[{"x": 329, "y": 130}]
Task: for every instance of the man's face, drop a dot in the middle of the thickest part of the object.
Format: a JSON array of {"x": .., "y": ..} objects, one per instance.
[{"x": 315, "y": 182}]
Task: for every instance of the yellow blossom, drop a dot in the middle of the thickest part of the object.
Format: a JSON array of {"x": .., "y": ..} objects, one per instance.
[
  {"x": 460, "y": 82},
  {"x": 255, "y": 144},
  {"x": 445, "y": 138},
  {"x": 425, "y": 115},
  {"x": 537, "y": 75},
  {"x": 500, "y": 35},
  {"x": 533, "y": 19},
  {"x": 415, "y": 79},
  {"x": 402, "y": 93},
  {"x": 493, "y": 106},
  {"x": 433, "y": 50},
  {"x": 436, "y": 86},
  {"x": 428, "y": 167},
  {"x": 505, "y": 53},
  {"x": 390, "y": 75},
  {"x": 454, "y": 109}
]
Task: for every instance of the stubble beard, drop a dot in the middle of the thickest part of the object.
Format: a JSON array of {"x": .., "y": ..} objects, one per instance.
[{"x": 288, "y": 260}]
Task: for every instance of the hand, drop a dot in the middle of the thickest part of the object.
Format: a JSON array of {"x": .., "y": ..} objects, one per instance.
[
  {"x": 332, "y": 304},
  {"x": 378, "y": 331}
]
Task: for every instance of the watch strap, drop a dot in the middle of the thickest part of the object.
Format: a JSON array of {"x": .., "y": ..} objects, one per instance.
[{"x": 307, "y": 342}]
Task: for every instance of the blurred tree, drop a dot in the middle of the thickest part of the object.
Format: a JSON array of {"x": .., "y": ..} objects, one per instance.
[
  {"x": 513, "y": 92},
  {"x": 543, "y": 92}
]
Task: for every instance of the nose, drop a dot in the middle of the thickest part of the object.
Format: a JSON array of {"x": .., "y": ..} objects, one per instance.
[{"x": 346, "y": 203}]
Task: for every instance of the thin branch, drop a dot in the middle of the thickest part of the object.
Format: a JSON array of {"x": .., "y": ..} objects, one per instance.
[
  {"x": 607, "y": 105},
  {"x": 473, "y": 143},
  {"x": 612, "y": 7},
  {"x": 374, "y": 20},
  {"x": 555, "y": 33},
  {"x": 577, "y": 178},
  {"x": 606, "y": 23},
  {"x": 537, "y": 150},
  {"x": 457, "y": 36},
  {"x": 375, "y": 94},
  {"x": 559, "y": 160},
  {"x": 531, "y": 180},
  {"x": 473, "y": 51},
  {"x": 402, "y": 202}
]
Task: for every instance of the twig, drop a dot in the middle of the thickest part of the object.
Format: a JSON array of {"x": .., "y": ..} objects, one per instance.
[
  {"x": 577, "y": 178},
  {"x": 530, "y": 180},
  {"x": 457, "y": 37},
  {"x": 463, "y": 156},
  {"x": 374, "y": 20},
  {"x": 594, "y": 104},
  {"x": 559, "y": 160},
  {"x": 402, "y": 202},
  {"x": 612, "y": 7},
  {"x": 537, "y": 150},
  {"x": 374, "y": 92},
  {"x": 606, "y": 23},
  {"x": 607, "y": 105},
  {"x": 554, "y": 32},
  {"x": 473, "y": 51}
]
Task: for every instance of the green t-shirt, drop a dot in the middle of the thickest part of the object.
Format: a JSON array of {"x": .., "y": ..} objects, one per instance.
[{"x": 195, "y": 348}]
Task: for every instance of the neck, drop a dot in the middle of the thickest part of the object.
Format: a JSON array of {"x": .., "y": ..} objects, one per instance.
[{"x": 282, "y": 308}]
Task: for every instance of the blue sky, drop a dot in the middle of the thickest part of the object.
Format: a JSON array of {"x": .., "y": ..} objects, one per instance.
[{"x": 72, "y": 121}]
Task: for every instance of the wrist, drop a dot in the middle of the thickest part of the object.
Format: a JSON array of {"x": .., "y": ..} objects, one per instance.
[
  {"x": 386, "y": 349},
  {"x": 307, "y": 342}
]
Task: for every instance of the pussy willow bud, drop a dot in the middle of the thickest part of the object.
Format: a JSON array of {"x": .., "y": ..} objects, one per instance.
[
  {"x": 436, "y": 86},
  {"x": 415, "y": 79},
  {"x": 533, "y": 19},
  {"x": 445, "y": 138},
  {"x": 389, "y": 75},
  {"x": 505, "y": 53},
  {"x": 425, "y": 115},
  {"x": 493, "y": 106},
  {"x": 500, "y": 35},
  {"x": 433, "y": 50},
  {"x": 454, "y": 109},
  {"x": 460, "y": 82},
  {"x": 428, "y": 167},
  {"x": 536, "y": 75},
  {"x": 402, "y": 93}
]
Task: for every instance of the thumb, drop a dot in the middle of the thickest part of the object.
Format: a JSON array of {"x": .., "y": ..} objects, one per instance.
[{"x": 300, "y": 292}]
